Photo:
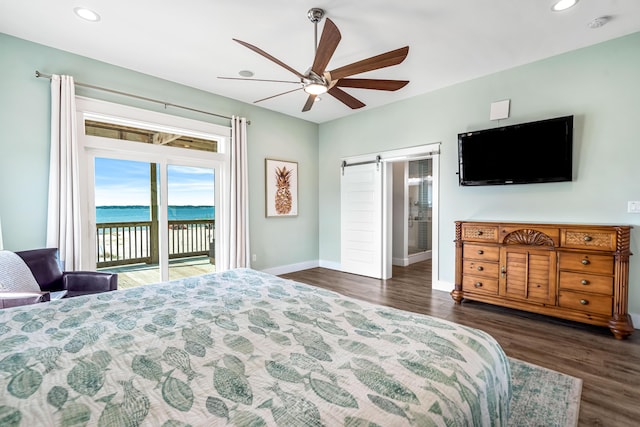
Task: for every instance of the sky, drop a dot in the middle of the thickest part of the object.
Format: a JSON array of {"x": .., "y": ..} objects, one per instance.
[{"x": 126, "y": 183}]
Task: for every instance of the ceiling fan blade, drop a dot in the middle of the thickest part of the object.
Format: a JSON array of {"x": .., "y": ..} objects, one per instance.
[
  {"x": 376, "y": 84},
  {"x": 259, "y": 80},
  {"x": 383, "y": 60},
  {"x": 269, "y": 57},
  {"x": 345, "y": 98},
  {"x": 326, "y": 47},
  {"x": 273, "y": 96},
  {"x": 310, "y": 101}
]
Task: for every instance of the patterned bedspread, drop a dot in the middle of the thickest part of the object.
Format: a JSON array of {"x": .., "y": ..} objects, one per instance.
[{"x": 243, "y": 348}]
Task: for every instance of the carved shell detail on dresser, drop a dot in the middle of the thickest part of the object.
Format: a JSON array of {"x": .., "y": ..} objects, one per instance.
[{"x": 528, "y": 237}]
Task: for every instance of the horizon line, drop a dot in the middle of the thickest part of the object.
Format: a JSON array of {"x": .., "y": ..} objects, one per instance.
[{"x": 147, "y": 206}]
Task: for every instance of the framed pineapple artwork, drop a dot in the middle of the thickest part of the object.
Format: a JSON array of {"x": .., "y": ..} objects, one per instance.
[{"x": 282, "y": 188}]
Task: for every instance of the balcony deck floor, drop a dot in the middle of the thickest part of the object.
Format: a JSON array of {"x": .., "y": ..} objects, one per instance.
[{"x": 130, "y": 276}]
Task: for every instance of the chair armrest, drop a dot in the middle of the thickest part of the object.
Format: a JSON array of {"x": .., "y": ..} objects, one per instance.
[
  {"x": 88, "y": 282},
  {"x": 14, "y": 299}
]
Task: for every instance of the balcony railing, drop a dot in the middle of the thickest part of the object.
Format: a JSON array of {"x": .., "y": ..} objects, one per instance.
[{"x": 122, "y": 243}]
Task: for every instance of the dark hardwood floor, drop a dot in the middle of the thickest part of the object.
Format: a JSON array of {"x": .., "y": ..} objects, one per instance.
[{"x": 609, "y": 368}]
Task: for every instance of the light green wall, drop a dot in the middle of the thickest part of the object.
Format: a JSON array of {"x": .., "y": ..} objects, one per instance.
[
  {"x": 25, "y": 136},
  {"x": 599, "y": 85}
]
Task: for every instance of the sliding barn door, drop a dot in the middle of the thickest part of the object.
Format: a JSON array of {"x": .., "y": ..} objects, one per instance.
[{"x": 364, "y": 221}]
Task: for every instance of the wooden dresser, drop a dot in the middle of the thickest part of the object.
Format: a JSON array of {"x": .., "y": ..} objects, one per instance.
[{"x": 572, "y": 271}]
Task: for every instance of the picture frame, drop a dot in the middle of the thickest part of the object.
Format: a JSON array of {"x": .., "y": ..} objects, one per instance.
[{"x": 281, "y": 188}]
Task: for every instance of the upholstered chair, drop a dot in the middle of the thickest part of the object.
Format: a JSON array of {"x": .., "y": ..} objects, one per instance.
[{"x": 43, "y": 265}]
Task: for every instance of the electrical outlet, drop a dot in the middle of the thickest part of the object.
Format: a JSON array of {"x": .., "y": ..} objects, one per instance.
[
  {"x": 253, "y": 257},
  {"x": 633, "y": 207}
]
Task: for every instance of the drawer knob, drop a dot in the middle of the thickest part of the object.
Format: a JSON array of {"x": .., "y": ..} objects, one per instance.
[
  {"x": 584, "y": 281},
  {"x": 584, "y": 302},
  {"x": 480, "y": 268},
  {"x": 587, "y": 238},
  {"x": 480, "y": 251},
  {"x": 585, "y": 262},
  {"x": 479, "y": 233},
  {"x": 478, "y": 284}
]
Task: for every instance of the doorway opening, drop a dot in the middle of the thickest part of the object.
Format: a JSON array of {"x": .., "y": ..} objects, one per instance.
[
  {"x": 412, "y": 200},
  {"x": 401, "y": 190},
  {"x": 153, "y": 192}
]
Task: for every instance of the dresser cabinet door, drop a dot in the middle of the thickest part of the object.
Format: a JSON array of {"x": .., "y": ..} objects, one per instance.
[{"x": 528, "y": 274}]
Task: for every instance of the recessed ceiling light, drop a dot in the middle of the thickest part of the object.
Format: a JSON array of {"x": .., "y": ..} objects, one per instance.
[
  {"x": 246, "y": 73},
  {"x": 86, "y": 14},
  {"x": 563, "y": 5}
]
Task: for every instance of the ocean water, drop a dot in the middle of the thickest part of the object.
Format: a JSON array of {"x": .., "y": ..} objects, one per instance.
[{"x": 143, "y": 213}]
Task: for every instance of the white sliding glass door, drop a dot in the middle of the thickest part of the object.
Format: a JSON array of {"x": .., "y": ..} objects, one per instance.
[
  {"x": 130, "y": 238},
  {"x": 191, "y": 217},
  {"x": 153, "y": 208}
]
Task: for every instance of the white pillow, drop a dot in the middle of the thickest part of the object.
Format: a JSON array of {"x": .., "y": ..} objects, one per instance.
[{"x": 15, "y": 275}]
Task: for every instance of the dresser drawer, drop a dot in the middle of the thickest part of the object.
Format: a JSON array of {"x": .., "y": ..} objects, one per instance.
[
  {"x": 480, "y": 268},
  {"x": 481, "y": 252},
  {"x": 480, "y": 285},
  {"x": 583, "y": 282},
  {"x": 591, "y": 303},
  {"x": 588, "y": 263},
  {"x": 479, "y": 233},
  {"x": 589, "y": 239}
]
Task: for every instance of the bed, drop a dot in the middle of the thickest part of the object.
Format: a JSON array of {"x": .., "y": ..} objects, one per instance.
[{"x": 243, "y": 348}]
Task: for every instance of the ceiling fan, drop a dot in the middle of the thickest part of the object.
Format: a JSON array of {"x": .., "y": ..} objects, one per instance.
[{"x": 317, "y": 80}]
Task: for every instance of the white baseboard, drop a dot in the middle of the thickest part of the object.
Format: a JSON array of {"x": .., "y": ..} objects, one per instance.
[
  {"x": 635, "y": 318},
  {"x": 401, "y": 262},
  {"x": 331, "y": 265},
  {"x": 441, "y": 285},
  {"x": 420, "y": 256},
  {"x": 291, "y": 268}
]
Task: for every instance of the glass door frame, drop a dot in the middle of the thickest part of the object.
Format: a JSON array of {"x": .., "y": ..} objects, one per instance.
[{"x": 91, "y": 147}]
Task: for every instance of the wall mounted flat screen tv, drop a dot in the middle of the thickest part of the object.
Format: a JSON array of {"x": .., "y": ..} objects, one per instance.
[{"x": 526, "y": 153}]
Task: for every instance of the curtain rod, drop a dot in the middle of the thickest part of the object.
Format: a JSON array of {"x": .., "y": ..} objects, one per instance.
[{"x": 166, "y": 104}]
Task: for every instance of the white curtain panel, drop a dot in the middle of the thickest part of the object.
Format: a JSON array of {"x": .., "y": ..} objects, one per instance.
[
  {"x": 239, "y": 197},
  {"x": 63, "y": 222}
]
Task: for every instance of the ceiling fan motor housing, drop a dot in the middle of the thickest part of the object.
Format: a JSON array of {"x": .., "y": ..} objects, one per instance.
[{"x": 315, "y": 14}]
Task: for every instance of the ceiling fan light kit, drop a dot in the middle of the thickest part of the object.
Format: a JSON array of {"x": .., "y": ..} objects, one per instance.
[
  {"x": 315, "y": 89},
  {"x": 318, "y": 80}
]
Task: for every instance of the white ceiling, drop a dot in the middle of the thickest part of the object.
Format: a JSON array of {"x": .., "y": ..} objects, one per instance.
[{"x": 190, "y": 41}]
